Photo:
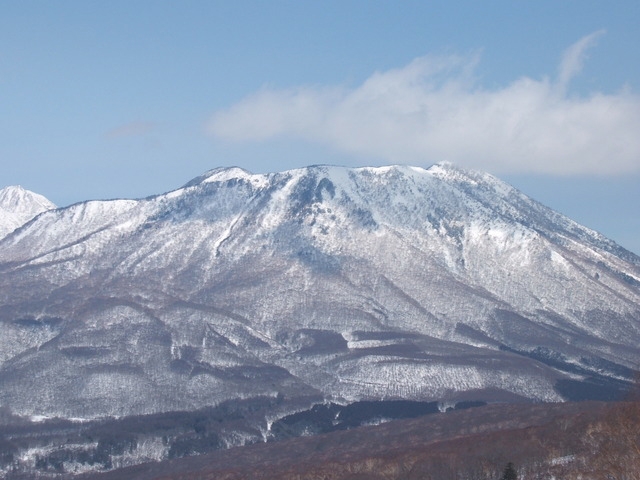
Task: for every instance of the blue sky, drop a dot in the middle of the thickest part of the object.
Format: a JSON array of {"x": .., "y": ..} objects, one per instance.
[{"x": 128, "y": 98}]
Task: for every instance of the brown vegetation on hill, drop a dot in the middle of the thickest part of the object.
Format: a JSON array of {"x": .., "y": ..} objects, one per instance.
[
  {"x": 615, "y": 441},
  {"x": 543, "y": 441}
]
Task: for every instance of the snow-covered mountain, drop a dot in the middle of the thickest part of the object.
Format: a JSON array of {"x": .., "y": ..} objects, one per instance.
[
  {"x": 18, "y": 206},
  {"x": 319, "y": 283}
]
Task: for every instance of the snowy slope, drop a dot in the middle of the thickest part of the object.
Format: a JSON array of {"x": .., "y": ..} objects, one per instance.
[
  {"x": 18, "y": 206},
  {"x": 327, "y": 282}
]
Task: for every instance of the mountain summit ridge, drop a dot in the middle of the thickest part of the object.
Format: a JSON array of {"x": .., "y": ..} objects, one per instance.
[{"x": 323, "y": 282}]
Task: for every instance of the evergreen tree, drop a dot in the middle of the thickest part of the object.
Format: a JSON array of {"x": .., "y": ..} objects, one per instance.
[{"x": 509, "y": 472}]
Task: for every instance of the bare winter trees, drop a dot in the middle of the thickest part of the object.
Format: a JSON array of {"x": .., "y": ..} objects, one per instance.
[{"x": 615, "y": 443}]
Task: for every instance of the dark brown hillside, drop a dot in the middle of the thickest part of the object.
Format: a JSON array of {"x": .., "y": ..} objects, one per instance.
[{"x": 473, "y": 444}]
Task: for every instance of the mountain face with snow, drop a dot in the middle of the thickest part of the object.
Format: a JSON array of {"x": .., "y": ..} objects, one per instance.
[
  {"x": 322, "y": 283},
  {"x": 18, "y": 206}
]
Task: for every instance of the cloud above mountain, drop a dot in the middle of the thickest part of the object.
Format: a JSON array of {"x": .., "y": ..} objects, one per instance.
[{"x": 434, "y": 109}]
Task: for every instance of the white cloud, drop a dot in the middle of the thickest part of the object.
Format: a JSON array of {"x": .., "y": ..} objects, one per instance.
[{"x": 433, "y": 110}]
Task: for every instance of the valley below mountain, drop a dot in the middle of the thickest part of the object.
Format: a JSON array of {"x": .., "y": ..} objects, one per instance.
[{"x": 130, "y": 327}]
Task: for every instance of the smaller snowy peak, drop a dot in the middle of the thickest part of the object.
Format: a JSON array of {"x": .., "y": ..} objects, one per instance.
[
  {"x": 16, "y": 199},
  {"x": 18, "y": 206}
]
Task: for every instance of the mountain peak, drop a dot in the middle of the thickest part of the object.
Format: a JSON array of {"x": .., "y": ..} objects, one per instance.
[
  {"x": 342, "y": 282},
  {"x": 18, "y": 206},
  {"x": 15, "y": 198}
]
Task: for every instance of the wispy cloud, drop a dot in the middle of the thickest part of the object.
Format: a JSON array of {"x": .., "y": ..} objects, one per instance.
[
  {"x": 433, "y": 110},
  {"x": 573, "y": 59}
]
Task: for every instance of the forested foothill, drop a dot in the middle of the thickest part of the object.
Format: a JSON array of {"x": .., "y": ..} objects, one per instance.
[
  {"x": 364, "y": 440},
  {"x": 584, "y": 440},
  {"x": 55, "y": 447}
]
